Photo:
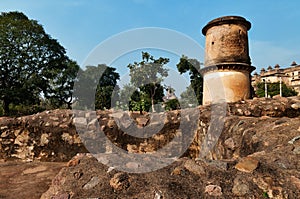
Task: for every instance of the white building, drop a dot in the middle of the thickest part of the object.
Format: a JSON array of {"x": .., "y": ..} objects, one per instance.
[{"x": 290, "y": 76}]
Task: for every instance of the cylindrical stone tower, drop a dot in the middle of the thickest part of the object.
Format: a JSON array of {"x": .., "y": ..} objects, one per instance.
[{"x": 227, "y": 66}]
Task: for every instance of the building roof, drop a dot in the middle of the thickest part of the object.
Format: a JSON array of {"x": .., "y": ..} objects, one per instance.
[
  {"x": 293, "y": 63},
  {"x": 226, "y": 20}
]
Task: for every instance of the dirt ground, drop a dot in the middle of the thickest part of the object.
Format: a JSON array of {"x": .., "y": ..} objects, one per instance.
[
  {"x": 26, "y": 180},
  {"x": 253, "y": 158}
]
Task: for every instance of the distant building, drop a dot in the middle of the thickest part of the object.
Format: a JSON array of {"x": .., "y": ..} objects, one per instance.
[
  {"x": 170, "y": 94},
  {"x": 290, "y": 76}
]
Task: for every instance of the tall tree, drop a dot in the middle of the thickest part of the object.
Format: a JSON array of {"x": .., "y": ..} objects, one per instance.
[
  {"x": 61, "y": 90},
  {"x": 147, "y": 76},
  {"x": 188, "y": 99},
  {"x": 97, "y": 87},
  {"x": 107, "y": 89},
  {"x": 127, "y": 94},
  {"x": 32, "y": 63},
  {"x": 193, "y": 66}
]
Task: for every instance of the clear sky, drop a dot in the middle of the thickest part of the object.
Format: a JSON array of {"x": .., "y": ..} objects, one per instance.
[{"x": 80, "y": 25}]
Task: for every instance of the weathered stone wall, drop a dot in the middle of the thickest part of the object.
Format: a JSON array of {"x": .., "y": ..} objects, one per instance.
[
  {"x": 52, "y": 136},
  {"x": 49, "y": 135},
  {"x": 256, "y": 156}
]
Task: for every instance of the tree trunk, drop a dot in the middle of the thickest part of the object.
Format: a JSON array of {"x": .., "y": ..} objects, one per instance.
[
  {"x": 5, "y": 106},
  {"x": 152, "y": 98},
  {"x": 69, "y": 105},
  {"x": 152, "y": 102},
  {"x": 141, "y": 109}
]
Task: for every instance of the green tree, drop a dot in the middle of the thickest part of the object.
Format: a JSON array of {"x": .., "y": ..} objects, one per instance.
[
  {"x": 61, "y": 89},
  {"x": 172, "y": 104},
  {"x": 127, "y": 94},
  {"x": 97, "y": 88},
  {"x": 147, "y": 76},
  {"x": 170, "y": 100},
  {"x": 193, "y": 66},
  {"x": 188, "y": 99},
  {"x": 274, "y": 89},
  {"x": 107, "y": 89},
  {"x": 33, "y": 65},
  {"x": 139, "y": 101}
]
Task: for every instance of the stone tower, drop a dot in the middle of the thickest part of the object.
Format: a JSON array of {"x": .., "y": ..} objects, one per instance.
[{"x": 227, "y": 66}]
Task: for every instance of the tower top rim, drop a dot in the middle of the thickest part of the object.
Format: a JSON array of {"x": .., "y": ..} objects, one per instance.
[{"x": 226, "y": 20}]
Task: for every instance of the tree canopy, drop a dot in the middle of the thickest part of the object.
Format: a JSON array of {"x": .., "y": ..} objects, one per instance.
[
  {"x": 193, "y": 66},
  {"x": 97, "y": 87},
  {"x": 147, "y": 76},
  {"x": 107, "y": 89},
  {"x": 33, "y": 65},
  {"x": 274, "y": 89},
  {"x": 188, "y": 98}
]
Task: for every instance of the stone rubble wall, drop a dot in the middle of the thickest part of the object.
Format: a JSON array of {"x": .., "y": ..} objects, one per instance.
[
  {"x": 45, "y": 136},
  {"x": 52, "y": 135}
]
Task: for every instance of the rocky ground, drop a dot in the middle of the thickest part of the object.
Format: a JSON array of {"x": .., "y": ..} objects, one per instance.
[
  {"x": 256, "y": 154},
  {"x": 257, "y": 158}
]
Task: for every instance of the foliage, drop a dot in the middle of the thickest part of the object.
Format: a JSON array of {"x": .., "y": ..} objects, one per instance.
[
  {"x": 97, "y": 88},
  {"x": 188, "y": 98},
  {"x": 147, "y": 76},
  {"x": 172, "y": 104},
  {"x": 107, "y": 89},
  {"x": 128, "y": 94},
  {"x": 140, "y": 102},
  {"x": 62, "y": 86},
  {"x": 193, "y": 66},
  {"x": 133, "y": 99},
  {"x": 33, "y": 65},
  {"x": 20, "y": 110},
  {"x": 274, "y": 89}
]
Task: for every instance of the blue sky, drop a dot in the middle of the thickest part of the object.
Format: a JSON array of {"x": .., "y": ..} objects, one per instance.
[{"x": 80, "y": 25}]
